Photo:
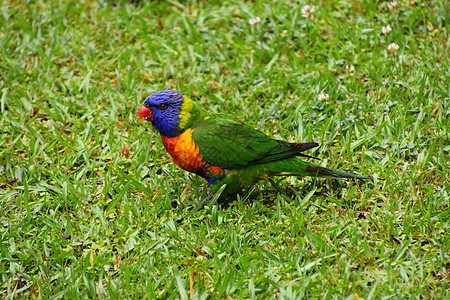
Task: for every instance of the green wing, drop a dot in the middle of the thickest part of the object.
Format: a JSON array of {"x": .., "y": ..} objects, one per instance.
[{"x": 227, "y": 144}]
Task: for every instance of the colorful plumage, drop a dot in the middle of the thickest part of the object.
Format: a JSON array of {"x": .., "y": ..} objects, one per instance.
[{"x": 224, "y": 151}]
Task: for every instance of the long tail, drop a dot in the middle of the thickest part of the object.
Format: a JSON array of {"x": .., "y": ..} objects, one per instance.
[{"x": 319, "y": 171}]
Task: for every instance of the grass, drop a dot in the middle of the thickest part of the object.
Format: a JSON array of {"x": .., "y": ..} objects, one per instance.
[{"x": 86, "y": 189}]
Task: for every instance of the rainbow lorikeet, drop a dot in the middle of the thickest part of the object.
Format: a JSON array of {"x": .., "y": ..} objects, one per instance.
[{"x": 224, "y": 151}]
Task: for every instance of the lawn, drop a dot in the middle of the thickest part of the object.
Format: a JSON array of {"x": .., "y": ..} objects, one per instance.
[{"x": 87, "y": 190}]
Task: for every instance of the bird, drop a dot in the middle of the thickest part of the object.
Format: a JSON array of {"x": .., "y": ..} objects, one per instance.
[{"x": 224, "y": 151}]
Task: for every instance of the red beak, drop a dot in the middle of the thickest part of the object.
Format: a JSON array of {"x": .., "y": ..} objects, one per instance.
[{"x": 146, "y": 114}]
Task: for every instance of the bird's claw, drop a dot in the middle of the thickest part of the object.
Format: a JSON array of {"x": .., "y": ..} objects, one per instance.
[{"x": 203, "y": 203}]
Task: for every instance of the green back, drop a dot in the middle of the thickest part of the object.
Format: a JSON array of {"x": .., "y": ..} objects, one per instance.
[{"x": 229, "y": 144}]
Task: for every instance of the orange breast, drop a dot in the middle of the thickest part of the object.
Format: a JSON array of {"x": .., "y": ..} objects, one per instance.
[
  {"x": 186, "y": 154},
  {"x": 184, "y": 151}
]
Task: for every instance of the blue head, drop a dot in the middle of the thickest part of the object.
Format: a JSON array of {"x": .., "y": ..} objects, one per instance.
[{"x": 163, "y": 110}]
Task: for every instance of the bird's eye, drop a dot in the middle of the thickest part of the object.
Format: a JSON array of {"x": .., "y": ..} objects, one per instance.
[
  {"x": 146, "y": 105},
  {"x": 163, "y": 106}
]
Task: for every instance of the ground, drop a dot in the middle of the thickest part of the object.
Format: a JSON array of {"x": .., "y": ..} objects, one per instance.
[{"x": 87, "y": 191}]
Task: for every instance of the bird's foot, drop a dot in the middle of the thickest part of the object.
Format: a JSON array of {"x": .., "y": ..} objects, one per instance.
[
  {"x": 195, "y": 208},
  {"x": 206, "y": 200},
  {"x": 203, "y": 203}
]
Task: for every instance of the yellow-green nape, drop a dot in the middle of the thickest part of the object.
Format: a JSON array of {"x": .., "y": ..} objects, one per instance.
[{"x": 185, "y": 113}]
